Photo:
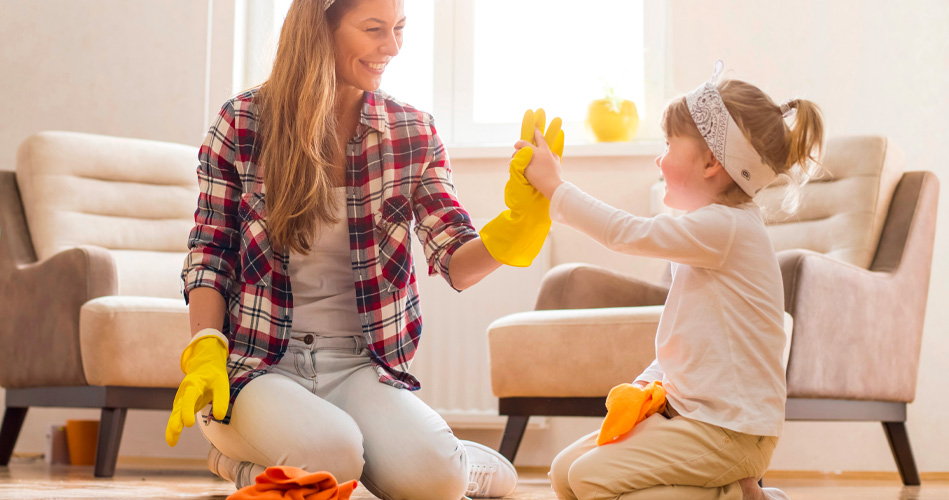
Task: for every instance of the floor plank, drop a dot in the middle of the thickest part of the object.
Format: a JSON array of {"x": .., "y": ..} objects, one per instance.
[{"x": 177, "y": 479}]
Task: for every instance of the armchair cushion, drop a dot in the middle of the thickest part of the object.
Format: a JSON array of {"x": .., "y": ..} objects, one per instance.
[
  {"x": 133, "y": 341},
  {"x": 576, "y": 352},
  {"x": 570, "y": 353}
]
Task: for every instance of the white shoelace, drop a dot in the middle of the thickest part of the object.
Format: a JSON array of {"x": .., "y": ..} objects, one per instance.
[{"x": 479, "y": 479}]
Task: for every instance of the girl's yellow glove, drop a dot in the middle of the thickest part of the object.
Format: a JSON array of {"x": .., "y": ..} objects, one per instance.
[
  {"x": 516, "y": 236},
  {"x": 204, "y": 363},
  {"x": 628, "y": 405}
]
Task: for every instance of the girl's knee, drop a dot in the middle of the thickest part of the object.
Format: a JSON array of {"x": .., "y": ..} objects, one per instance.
[
  {"x": 559, "y": 470},
  {"x": 583, "y": 475}
]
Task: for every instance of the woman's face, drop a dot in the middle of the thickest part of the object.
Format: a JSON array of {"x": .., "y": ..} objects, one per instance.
[{"x": 368, "y": 37}]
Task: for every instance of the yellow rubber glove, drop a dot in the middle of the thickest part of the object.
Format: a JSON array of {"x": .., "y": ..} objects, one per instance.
[
  {"x": 516, "y": 236},
  {"x": 204, "y": 363},
  {"x": 628, "y": 405}
]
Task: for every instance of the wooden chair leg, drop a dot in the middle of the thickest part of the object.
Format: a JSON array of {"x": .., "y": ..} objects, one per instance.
[
  {"x": 902, "y": 453},
  {"x": 13, "y": 419},
  {"x": 513, "y": 433},
  {"x": 111, "y": 425}
]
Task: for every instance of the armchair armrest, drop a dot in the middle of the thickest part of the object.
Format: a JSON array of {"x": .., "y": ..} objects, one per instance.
[
  {"x": 606, "y": 346},
  {"x": 40, "y": 307},
  {"x": 857, "y": 333},
  {"x": 584, "y": 286}
]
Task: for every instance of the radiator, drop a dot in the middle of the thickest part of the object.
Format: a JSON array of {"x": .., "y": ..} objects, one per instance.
[{"x": 452, "y": 361}]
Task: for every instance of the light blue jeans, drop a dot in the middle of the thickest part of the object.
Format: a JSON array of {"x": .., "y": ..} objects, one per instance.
[{"x": 322, "y": 408}]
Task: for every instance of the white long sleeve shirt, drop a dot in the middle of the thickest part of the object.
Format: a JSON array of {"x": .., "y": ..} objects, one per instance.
[{"x": 721, "y": 336}]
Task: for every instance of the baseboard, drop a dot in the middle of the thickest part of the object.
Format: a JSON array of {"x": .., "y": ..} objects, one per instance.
[
  {"x": 807, "y": 474},
  {"x": 852, "y": 475}
]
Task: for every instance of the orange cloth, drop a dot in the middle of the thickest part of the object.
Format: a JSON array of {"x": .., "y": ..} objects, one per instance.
[
  {"x": 290, "y": 483},
  {"x": 628, "y": 405}
]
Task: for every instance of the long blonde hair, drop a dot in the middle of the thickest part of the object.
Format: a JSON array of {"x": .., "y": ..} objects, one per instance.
[
  {"x": 793, "y": 151},
  {"x": 298, "y": 126}
]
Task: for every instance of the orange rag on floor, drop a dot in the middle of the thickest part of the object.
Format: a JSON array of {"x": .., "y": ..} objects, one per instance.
[
  {"x": 628, "y": 405},
  {"x": 290, "y": 483}
]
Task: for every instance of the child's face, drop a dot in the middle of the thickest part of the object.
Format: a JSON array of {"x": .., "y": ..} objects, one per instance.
[{"x": 683, "y": 165}]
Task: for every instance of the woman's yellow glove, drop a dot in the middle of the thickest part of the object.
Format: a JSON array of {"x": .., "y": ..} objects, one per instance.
[
  {"x": 516, "y": 236},
  {"x": 628, "y": 405},
  {"x": 204, "y": 363}
]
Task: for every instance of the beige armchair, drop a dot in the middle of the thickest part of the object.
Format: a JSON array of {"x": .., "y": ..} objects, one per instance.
[
  {"x": 93, "y": 233},
  {"x": 856, "y": 263}
]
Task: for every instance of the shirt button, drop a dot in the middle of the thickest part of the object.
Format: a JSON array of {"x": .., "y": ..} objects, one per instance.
[{"x": 308, "y": 339}]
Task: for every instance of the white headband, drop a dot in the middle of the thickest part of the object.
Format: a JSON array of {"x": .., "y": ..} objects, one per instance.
[
  {"x": 327, "y": 3},
  {"x": 725, "y": 139}
]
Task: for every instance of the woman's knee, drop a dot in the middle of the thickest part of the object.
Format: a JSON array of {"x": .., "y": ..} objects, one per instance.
[
  {"x": 424, "y": 473},
  {"x": 339, "y": 451}
]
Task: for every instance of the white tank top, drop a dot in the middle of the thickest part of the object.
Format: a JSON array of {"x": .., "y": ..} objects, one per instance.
[{"x": 324, "y": 290}]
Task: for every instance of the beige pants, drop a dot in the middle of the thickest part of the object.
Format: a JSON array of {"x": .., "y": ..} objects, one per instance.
[{"x": 662, "y": 458}]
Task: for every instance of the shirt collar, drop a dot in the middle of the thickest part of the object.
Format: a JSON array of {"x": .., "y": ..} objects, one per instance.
[{"x": 373, "y": 112}]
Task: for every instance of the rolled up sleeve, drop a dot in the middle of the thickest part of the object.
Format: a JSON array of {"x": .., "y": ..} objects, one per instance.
[
  {"x": 214, "y": 244},
  {"x": 443, "y": 224}
]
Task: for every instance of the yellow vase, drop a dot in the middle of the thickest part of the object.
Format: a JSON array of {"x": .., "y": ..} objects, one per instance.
[{"x": 608, "y": 125}]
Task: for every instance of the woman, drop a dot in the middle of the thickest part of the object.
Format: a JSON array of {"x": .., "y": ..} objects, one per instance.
[{"x": 314, "y": 179}]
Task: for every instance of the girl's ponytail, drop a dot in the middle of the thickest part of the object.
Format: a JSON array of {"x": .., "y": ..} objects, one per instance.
[
  {"x": 793, "y": 151},
  {"x": 807, "y": 133},
  {"x": 805, "y": 146}
]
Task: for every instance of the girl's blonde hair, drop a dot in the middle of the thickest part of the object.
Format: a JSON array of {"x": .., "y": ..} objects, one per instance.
[
  {"x": 793, "y": 151},
  {"x": 299, "y": 140}
]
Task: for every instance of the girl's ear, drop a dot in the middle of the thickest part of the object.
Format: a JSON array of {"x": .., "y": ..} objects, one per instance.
[{"x": 713, "y": 167}]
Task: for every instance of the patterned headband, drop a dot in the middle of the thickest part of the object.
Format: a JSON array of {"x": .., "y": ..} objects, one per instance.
[{"x": 725, "y": 139}]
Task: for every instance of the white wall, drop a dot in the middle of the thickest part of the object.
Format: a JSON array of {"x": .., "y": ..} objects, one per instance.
[
  {"x": 138, "y": 69},
  {"x": 151, "y": 70}
]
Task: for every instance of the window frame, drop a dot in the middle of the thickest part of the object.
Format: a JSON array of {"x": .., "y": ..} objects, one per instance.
[
  {"x": 457, "y": 105},
  {"x": 454, "y": 65}
]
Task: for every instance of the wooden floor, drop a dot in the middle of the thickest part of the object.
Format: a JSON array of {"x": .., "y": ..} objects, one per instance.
[{"x": 152, "y": 480}]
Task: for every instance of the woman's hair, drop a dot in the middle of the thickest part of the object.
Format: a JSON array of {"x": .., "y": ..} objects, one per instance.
[
  {"x": 298, "y": 135},
  {"x": 793, "y": 150}
]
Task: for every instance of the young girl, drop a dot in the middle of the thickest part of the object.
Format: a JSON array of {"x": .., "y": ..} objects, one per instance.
[{"x": 720, "y": 339}]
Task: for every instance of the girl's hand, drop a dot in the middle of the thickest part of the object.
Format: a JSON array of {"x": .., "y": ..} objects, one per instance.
[{"x": 543, "y": 171}]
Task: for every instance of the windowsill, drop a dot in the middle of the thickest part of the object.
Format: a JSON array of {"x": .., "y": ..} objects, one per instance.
[{"x": 647, "y": 148}]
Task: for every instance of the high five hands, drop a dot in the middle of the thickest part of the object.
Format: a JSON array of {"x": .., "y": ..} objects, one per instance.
[
  {"x": 541, "y": 167},
  {"x": 516, "y": 236}
]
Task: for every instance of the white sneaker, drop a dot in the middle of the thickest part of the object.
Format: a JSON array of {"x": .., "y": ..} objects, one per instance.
[
  {"x": 775, "y": 494},
  {"x": 229, "y": 469},
  {"x": 222, "y": 466},
  {"x": 490, "y": 475}
]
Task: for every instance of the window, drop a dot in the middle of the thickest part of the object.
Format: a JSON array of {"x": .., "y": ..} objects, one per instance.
[{"x": 476, "y": 65}]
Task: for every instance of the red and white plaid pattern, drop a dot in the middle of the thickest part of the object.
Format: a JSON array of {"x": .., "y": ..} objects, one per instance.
[{"x": 398, "y": 177}]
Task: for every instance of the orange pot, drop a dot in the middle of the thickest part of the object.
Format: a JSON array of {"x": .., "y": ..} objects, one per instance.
[{"x": 82, "y": 437}]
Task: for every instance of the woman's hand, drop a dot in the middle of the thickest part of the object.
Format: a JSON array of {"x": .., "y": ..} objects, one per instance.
[
  {"x": 516, "y": 236},
  {"x": 543, "y": 171},
  {"x": 204, "y": 363}
]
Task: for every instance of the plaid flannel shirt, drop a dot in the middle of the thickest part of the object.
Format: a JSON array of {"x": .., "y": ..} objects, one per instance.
[{"x": 398, "y": 176}]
